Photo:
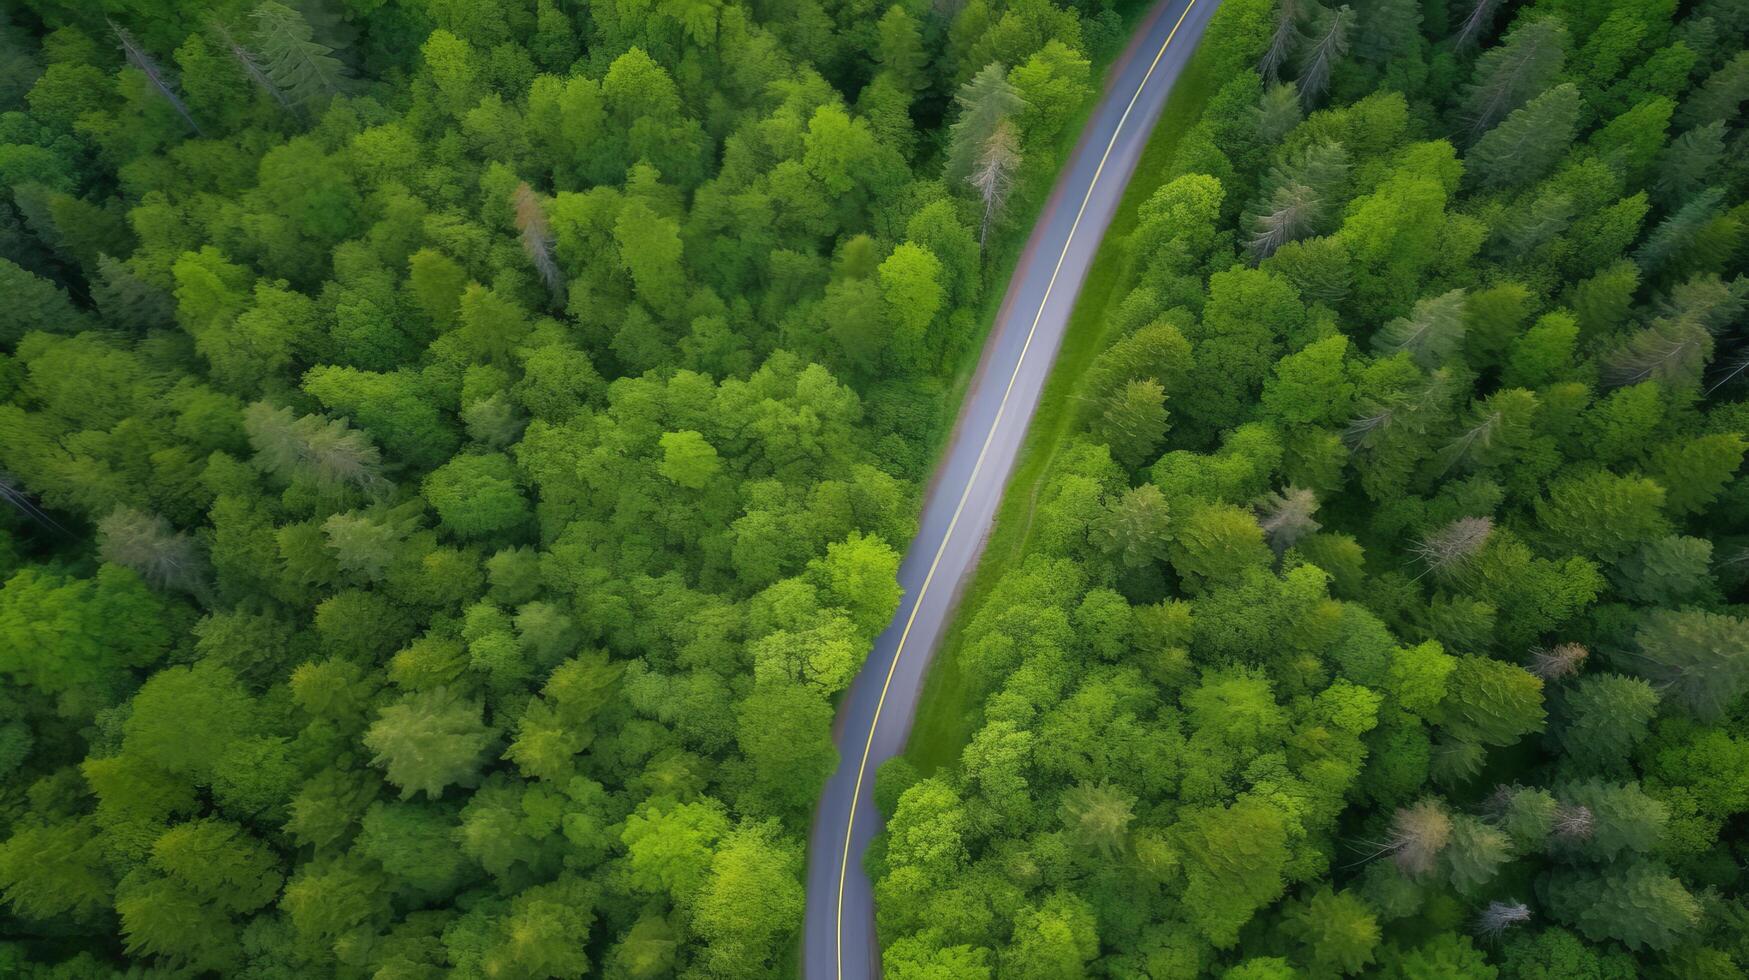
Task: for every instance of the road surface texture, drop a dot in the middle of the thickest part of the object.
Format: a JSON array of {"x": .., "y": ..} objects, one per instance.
[{"x": 839, "y": 941}]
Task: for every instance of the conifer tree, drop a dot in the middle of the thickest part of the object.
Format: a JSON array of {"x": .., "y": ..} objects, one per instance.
[
  {"x": 251, "y": 65},
  {"x": 1277, "y": 113},
  {"x": 1690, "y": 163},
  {"x": 987, "y": 103},
  {"x": 297, "y": 64},
  {"x": 1133, "y": 421},
  {"x": 1431, "y": 333},
  {"x": 1641, "y": 904},
  {"x": 148, "y": 544},
  {"x": 1507, "y": 76},
  {"x": 1603, "y": 718},
  {"x": 1720, "y": 98},
  {"x": 1529, "y": 143},
  {"x": 1700, "y": 659}
]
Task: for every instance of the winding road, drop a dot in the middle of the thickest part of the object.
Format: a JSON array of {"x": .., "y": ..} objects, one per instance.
[{"x": 876, "y": 715}]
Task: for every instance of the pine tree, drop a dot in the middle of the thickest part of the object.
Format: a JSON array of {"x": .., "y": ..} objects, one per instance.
[
  {"x": 126, "y": 300},
  {"x": 1604, "y": 717},
  {"x": 1528, "y": 144},
  {"x": 1475, "y": 855},
  {"x": 1137, "y": 527},
  {"x": 1720, "y": 98},
  {"x": 1672, "y": 351},
  {"x": 1690, "y": 163},
  {"x": 1432, "y": 332},
  {"x": 1098, "y": 817},
  {"x": 1299, "y": 195},
  {"x": 1507, "y": 76},
  {"x": 1392, "y": 28},
  {"x": 1133, "y": 422},
  {"x": 901, "y": 53},
  {"x": 429, "y": 740},
  {"x": 1677, "y": 232},
  {"x": 322, "y": 449},
  {"x": 987, "y": 103},
  {"x": 251, "y": 65},
  {"x": 1277, "y": 113},
  {"x": 1291, "y": 213},
  {"x": 1699, "y": 659},
  {"x": 1526, "y": 228},
  {"x": 298, "y": 65},
  {"x": 1641, "y": 905},
  {"x": 1339, "y": 929},
  {"x": 148, "y": 544}
]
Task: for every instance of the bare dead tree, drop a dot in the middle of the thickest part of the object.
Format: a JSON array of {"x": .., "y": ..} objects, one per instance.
[
  {"x": 1418, "y": 834},
  {"x": 1574, "y": 822},
  {"x": 137, "y": 57},
  {"x": 1500, "y": 916},
  {"x": 993, "y": 173},
  {"x": 1454, "y": 545},
  {"x": 1559, "y": 661},
  {"x": 1286, "y": 517},
  {"x": 12, "y": 492},
  {"x": 537, "y": 240}
]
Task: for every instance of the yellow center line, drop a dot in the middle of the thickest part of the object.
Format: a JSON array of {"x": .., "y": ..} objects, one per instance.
[{"x": 978, "y": 464}]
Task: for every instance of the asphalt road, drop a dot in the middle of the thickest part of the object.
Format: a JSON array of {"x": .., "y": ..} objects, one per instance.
[{"x": 875, "y": 718}]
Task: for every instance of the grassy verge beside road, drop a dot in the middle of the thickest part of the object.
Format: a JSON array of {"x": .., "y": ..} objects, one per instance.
[{"x": 947, "y": 715}]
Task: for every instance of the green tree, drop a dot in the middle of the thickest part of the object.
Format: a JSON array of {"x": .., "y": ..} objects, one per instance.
[
  {"x": 429, "y": 740},
  {"x": 477, "y": 496},
  {"x": 1132, "y": 421},
  {"x": 1528, "y": 143},
  {"x": 750, "y": 903},
  {"x": 1700, "y": 659},
  {"x": 302, "y": 68},
  {"x": 1234, "y": 861},
  {"x": 1338, "y": 930},
  {"x": 1605, "y": 716},
  {"x": 1639, "y": 905}
]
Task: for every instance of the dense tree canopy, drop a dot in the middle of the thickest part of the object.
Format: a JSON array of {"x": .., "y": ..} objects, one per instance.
[
  {"x": 1385, "y": 615},
  {"x": 455, "y": 454}
]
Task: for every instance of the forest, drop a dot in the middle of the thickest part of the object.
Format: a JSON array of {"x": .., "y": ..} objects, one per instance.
[
  {"x": 455, "y": 453},
  {"x": 1385, "y": 616}
]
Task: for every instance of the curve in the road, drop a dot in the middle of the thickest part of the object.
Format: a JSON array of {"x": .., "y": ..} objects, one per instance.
[{"x": 840, "y": 917}]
